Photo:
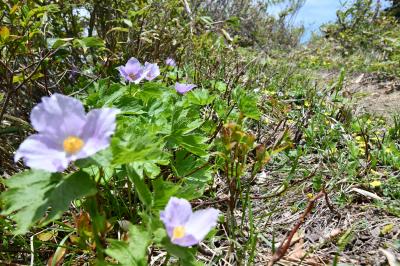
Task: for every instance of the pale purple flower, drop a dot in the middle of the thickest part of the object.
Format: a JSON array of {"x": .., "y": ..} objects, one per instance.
[
  {"x": 74, "y": 73},
  {"x": 133, "y": 71},
  {"x": 152, "y": 71},
  {"x": 170, "y": 62},
  {"x": 184, "y": 227},
  {"x": 183, "y": 88},
  {"x": 65, "y": 133}
]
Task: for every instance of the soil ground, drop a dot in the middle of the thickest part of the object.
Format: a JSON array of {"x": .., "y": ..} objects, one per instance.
[
  {"x": 362, "y": 224},
  {"x": 371, "y": 93}
]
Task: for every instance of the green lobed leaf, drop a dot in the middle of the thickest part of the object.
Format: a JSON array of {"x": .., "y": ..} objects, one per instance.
[
  {"x": 141, "y": 188},
  {"x": 195, "y": 144},
  {"x": 136, "y": 144},
  {"x": 247, "y": 104},
  {"x": 129, "y": 106},
  {"x": 183, "y": 125},
  {"x": 152, "y": 90},
  {"x": 138, "y": 149},
  {"x": 190, "y": 166},
  {"x": 105, "y": 94},
  {"x": 163, "y": 191},
  {"x": 186, "y": 255},
  {"x": 200, "y": 97},
  {"x": 102, "y": 158},
  {"x": 132, "y": 252},
  {"x": 31, "y": 193}
]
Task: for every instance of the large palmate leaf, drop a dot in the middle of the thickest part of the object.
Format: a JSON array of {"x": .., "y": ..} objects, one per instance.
[
  {"x": 183, "y": 126},
  {"x": 152, "y": 90},
  {"x": 247, "y": 103},
  {"x": 105, "y": 94},
  {"x": 32, "y": 193},
  {"x": 195, "y": 144},
  {"x": 129, "y": 106},
  {"x": 137, "y": 145},
  {"x": 143, "y": 152},
  {"x": 199, "y": 97},
  {"x": 132, "y": 252},
  {"x": 191, "y": 167}
]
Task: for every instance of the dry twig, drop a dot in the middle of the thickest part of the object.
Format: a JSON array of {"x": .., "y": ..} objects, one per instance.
[{"x": 286, "y": 243}]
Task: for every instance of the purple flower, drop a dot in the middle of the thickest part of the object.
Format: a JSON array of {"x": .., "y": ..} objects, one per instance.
[
  {"x": 133, "y": 71},
  {"x": 184, "y": 227},
  {"x": 65, "y": 133},
  {"x": 183, "y": 88},
  {"x": 74, "y": 73},
  {"x": 170, "y": 62},
  {"x": 152, "y": 71}
]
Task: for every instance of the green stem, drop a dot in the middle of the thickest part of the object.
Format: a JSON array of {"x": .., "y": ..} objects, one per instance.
[{"x": 92, "y": 207}]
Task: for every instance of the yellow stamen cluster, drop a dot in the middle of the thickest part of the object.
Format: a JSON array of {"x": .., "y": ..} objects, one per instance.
[
  {"x": 72, "y": 144},
  {"x": 178, "y": 232}
]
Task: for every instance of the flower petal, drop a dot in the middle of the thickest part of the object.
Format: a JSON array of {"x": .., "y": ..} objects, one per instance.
[
  {"x": 58, "y": 115},
  {"x": 132, "y": 62},
  {"x": 201, "y": 222},
  {"x": 176, "y": 213},
  {"x": 122, "y": 72},
  {"x": 97, "y": 131},
  {"x": 139, "y": 76},
  {"x": 133, "y": 71},
  {"x": 183, "y": 88},
  {"x": 133, "y": 66},
  {"x": 170, "y": 62},
  {"x": 42, "y": 152},
  {"x": 152, "y": 71},
  {"x": 186, "y": 241}
]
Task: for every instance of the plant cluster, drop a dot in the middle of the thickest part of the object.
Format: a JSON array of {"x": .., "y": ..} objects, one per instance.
[{"x": 363, "y": 38}]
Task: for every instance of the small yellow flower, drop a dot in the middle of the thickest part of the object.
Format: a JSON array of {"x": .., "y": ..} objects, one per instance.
[
  {"x": 359, "y": 139},
  {"x": 375, "y": 183},
  {"x": 388, "y": 150}
]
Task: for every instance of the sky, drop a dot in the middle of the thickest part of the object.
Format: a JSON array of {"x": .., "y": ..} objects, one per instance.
[{"x": 314, "y": 13}]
